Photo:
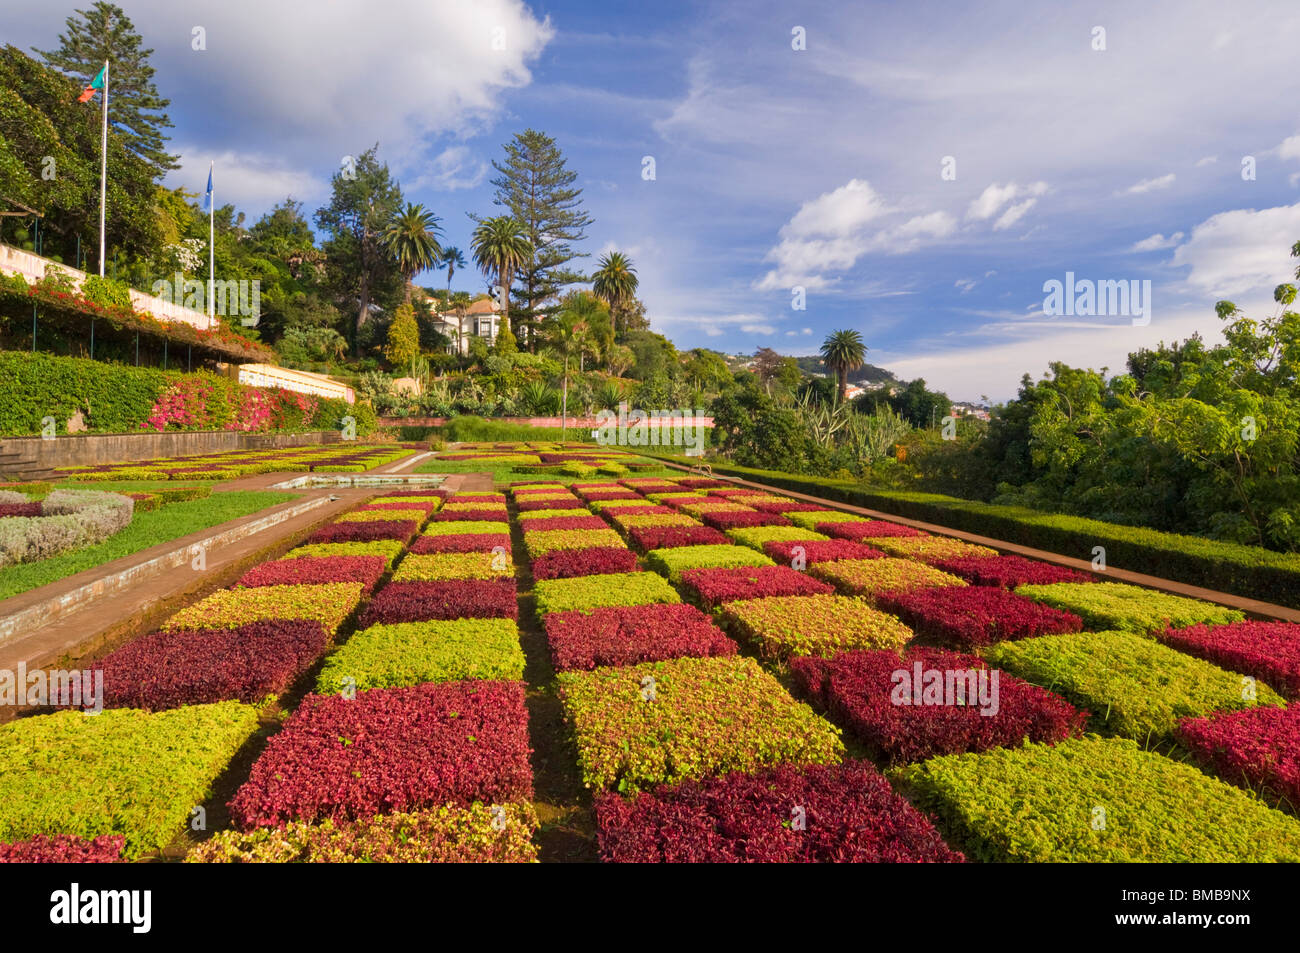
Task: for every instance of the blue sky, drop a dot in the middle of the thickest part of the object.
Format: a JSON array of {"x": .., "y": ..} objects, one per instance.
[{"x": 778, "y": 168}]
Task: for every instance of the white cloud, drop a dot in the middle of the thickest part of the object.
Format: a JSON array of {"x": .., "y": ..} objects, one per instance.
[
  {"x": 838, "y": 213},
  {"x": 1150, "y": 185},
  {"x": 965, "y": 284},
  {"x": 244, "y": 178},
  {"x": 1289, "y": 148},
  {"x": 1157, "y": 241},
  {"x": 993, "y": 198},
  {"x": 1241, "y": 251},
  {"x": 456, "y": 167},
  {"x": 1207, "y": 160}
]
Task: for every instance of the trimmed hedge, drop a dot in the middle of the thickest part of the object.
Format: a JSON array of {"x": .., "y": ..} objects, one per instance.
[
  {"x": 1117, "y": 605},
  {"x": 1266, "y": 650},
  {"x": 595, "y": 592},
  {"x": 626, "y": 635},
  {"x": 327, "y": 603},
  {"x": 391, "y": 656},
  {"x": 1134, "y": 686},
  {"x": 672, "y": 562},
  {"x": 820, "y": 625},
  {"x": 877, "y": 577},
  {"x": 1258, "y": 748},
  {"x": 1094, "y": 800},
  {"x": 1229, "y": 567}
]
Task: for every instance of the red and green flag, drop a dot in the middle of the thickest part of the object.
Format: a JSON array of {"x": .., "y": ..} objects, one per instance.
[{"x": 95, "y": 84}]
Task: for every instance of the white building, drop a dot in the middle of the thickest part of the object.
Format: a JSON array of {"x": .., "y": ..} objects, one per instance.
[{"x": 480, "y": 319}]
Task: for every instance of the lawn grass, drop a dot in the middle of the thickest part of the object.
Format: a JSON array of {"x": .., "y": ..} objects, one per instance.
[{"x": 147, "y": 529}]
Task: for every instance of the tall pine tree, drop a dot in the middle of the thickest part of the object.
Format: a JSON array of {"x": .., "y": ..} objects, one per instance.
[
  {"x": 537, "y": 188},
  {"x": 136, "y": 111}
]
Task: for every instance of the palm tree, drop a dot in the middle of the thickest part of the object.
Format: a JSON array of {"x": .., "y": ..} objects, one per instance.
[
  {"x": 501, "y": 247},
  {"x": 411, "y": 238},
  {"x": 842, "y": 352},
  {"x": 571, "y": 337},
  {"x": 453, "y": 258},
  {"x": 615, "y": 282}
]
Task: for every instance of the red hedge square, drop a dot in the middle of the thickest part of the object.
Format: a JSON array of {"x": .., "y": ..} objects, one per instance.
[
  {"x": 1258, "y": 745},
  {"x": 1270, "y": 651},
  {"x": 819, "y": 550},
  {"x": 573, "y": 503},
  {"x": 970, "y": 616},
  {"x": 785, "y": 506},
  {"x": 311, "y": 570},
  {"x": 727, "y": 519},
  {"x": 646, "y": 538},
  {"x": 1009, "y": 571},
  {"x": 716, "y": 586},
  {"x": 867, "y": 530},
  {"x": 460, "y": 543},
  {"x": 633, "y": 634},
  {"x": 563, "y": 522},
  {"x": 494, "y": 514},
  {"x": 596, "y": 561},
  {"x": 844, "y": 813},
  {"x": 861, "y": 689},
  {"x": 391, "y": 749},
  {"x": 63, "y": 849},
  {"x": 365, "y": 531},
  {"x": 435, "y": 601}
]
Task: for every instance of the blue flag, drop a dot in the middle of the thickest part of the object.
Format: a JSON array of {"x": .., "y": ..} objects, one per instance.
[{"x": 207, "y": 198}]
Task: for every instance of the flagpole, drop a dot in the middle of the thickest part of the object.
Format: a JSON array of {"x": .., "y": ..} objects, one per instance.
[
  {"x": 212, "y": 246},
  {"x": 103, "y": 171}
]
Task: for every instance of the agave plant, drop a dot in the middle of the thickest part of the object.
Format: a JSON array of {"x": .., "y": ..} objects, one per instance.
[
  {"x": 823, "y": 420},
  {"x": 539, "y": 398},
  {"x": 871, "y": 438},
  {"x": 610, "y": 394}
]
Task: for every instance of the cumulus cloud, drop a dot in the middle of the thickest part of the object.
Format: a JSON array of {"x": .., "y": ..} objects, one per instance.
[
  {"x": 1150, "y": 185},
  {"x": 1157, "y": 241},
  {"x": 993, "y": 198},
  {"x": 1241, "y": 251}
]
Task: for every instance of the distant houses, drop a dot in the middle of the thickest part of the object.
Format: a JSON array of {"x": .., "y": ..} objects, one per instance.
[{"x": 479, "y": 319}]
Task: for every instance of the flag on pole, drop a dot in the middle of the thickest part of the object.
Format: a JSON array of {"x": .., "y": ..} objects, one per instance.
[
  {"x": 95, "y": 84},
  {"x": 207, "y": 196}
]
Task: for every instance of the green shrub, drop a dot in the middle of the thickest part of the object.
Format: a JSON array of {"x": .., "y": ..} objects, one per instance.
[
  {"x": 671, "y": 562},
  {"x": 550, "y": 540},
  {"x": 1115, "y": 605},
  {"x": 1094, "y": 800},
  {"x": 177, "y": 494},
  {"x": 471, "y": 429},
  {"x": 107, "y": 292},
  {"x": 327, "y": 603},
  {"x": 1133, "y": 686},
  {"x": 821, "y": 625},
  {"x": 594, "y": 592},
  {"x": 755, "y": 536},
  {"x": 390, "y": 549},
  {"x": 389, "y": 656},
  {"x": 665, "y": 722},
  {"x": 122, "y": 771}
]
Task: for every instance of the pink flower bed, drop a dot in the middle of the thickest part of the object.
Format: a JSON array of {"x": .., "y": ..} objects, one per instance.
[
  {"x": 63, "y": 849},
  {"x": 563, "y": 522},
  {"x": 971, "y": 616},
  {"x": 198, "y": 666},
  {"x": 364, "y": 531},
  {"x": 819, "y": 550},
  {"x": 630, "y": 635},
  {"x": 1270, "y": 651},
  {"x": 391, "y": 749},
  {"x": 596, "y": 561},
  {"x": 1259, "y": 747},
  {"x": 460, "y": 543},
  {"x": 646, "y": 538},
  {"x": 434, "y": 601},
  {"x": 862, "y": 690},
  {"x": 845, "y": 813},
  {"x": 1009, "y": 571},
  {"x": 727, "y": 519},
  {"x": 570, "y": 503},
  {"x": 716, "y": 586},
  {"x": 308, "y": 570},
  {"x": 867, "y": 530}
]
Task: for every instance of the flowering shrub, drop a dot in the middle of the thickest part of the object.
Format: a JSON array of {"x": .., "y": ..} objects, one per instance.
[
  {"x": 1159, "y": 810},
  {"x": 318, "y": 569},
  {"x": 672, "y": 562},
  {"x": 387, "y": 548},
  {"x": 734, "y": 520},
  {"x": 440, "y": 566},
  {"x": 781, "y": 626},
  {"x": 480, "y": 833},
  {"x": 1114, "y": 605},
  {"x": 121, "y": 772},
  {"x": 460, "y": 543},
  {"x": 860, "y": 690},
  {"x": 594, "y": 592},
  {"x": 64, "y": 849},
  {"x": 564, "y": 522},
  {"x": 669, "y": 721},
  {"x": 929, "y": 549},
  {"x": 598, "y": 560},
  {"x": 819, "y": 551},
  {"x": 875, "y": 577},
  {"x": 462, "y": 527},
  {"x": 1260, "y": 748},
  {"x": 551, "y": 503},
  {"x": 1266, "y": 650},
  {"x": 327, "y": 603},
  {"x": 757, "y": 537},
  {"x": 716, "y": 586},
  {"x": 365, "y": 532},
  {"x": 1134, "y": 686},
  {"x": 548, "y": 541},
  {"x": 646, "y": 538},
  {"x": 391, "y": 749},
  {"x": 423, "y": 601},
  {"x": 390, "y": 656},
  {"x": 629, "y": 635},
  {"x": 867, "y": 529},
  {"x": 1008, "y": 571},
  {"x": 850, "y": 813},
  {"x": 195, "y": 666},
  {"x": 970, "y": 616},
  {"x": 476, "y": 513}
]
